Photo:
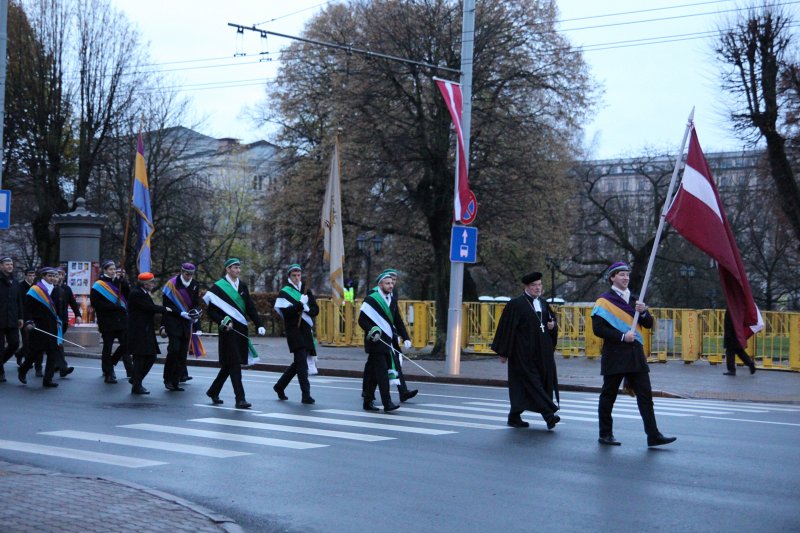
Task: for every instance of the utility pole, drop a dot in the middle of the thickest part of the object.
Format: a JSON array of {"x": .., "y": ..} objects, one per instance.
[
  {"x": 454, "y": 318},
  {"x": 3, "y": 49}
]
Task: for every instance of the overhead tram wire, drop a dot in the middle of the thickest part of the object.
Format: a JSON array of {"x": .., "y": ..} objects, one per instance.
[
  {"x": 638, "y": 11},
  {"x": 347, "y": 49}
]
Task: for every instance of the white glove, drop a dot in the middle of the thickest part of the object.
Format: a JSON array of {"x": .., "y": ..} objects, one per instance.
[
  {"x": 304, "y": 299},
  {"x": 199, "y": 333},
  {"x": 185, "y": 315},
  {"x": 306, "y": 308},
  {"x": 406, "y": 344},
  {"x": 262, "y": 331}
]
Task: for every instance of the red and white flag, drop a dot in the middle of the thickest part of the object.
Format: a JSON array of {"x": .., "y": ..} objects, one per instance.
[
  {"x": 465, "y": 206},
  {"x": 696, "y": 213}
]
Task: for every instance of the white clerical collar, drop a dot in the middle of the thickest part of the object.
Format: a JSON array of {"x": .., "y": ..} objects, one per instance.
[
  {"x": 625, "y": 295},
  {"x": 49, "y": 287},
  {"x": 186, "y": 282},
  {"x": 234, "y": 282}
]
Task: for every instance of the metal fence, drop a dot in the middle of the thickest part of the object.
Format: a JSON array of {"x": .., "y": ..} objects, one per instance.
[{"x": 685, "y": 335}]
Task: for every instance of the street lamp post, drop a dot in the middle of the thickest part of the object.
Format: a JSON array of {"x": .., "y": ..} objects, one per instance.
[
  {"x": 377, "y": 244},
  {"x": 687, "y": 272}
]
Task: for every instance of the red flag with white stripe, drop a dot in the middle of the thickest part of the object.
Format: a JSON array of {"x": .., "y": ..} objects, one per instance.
[
  {"x": 465, "y": 206},
  {"x": 696, "y": 213}
]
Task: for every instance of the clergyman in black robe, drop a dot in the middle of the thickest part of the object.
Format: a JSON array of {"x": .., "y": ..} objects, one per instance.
[{"x": 526, "y": 337}]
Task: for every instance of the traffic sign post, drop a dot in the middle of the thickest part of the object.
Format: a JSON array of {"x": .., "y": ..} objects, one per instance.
[
  {"x": 5, "y": 209},
  {"x": 463, "y": 244}
]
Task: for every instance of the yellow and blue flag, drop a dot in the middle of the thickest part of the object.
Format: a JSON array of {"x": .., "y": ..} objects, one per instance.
[{"x": 141, "y": 204}]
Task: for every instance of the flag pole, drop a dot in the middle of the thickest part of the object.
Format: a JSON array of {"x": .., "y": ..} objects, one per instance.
[
  {"x": 128, "y": 216},
  {"x": 667, "y": 201}
]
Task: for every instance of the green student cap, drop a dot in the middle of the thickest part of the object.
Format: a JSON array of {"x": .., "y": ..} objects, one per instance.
[{"x": 232, "y": 261}]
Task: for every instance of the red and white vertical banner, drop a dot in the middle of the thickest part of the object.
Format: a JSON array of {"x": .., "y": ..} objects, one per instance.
[{"x": 465, "y": 206}]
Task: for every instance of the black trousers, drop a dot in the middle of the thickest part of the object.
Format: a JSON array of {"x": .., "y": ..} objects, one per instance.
[
  {"x": 299, "y": 368},
  {"x": 53, "y": 356},
  {"x": 730, "y": 358},
  {"x": 141, "y": 366},
  {"x": 109, "y": 361},
  {"x": 10, "y": 338},
  {"x": 640, "y": 382},
  {"x": 175, "y": 364},
  {"x": 234, "y": 371},
  {"x": 376, "y": 372}
]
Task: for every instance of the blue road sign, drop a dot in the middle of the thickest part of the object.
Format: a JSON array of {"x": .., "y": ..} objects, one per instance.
[
  {"x": 5, "y": 209},
  {"x": 463, "y": 244}
]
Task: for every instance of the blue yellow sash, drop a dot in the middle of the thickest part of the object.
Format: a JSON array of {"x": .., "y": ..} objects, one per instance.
[
  {"x": 110, "y": 292},
  {"x": 618, "y": 318},
  {"x": 39, "y": 293}
]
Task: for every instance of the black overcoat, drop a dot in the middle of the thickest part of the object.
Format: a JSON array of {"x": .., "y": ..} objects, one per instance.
[
  {"x": 618, "y": 356},
  {"x": 110, "y": 316},
  {"x": 141, "y": 325}
]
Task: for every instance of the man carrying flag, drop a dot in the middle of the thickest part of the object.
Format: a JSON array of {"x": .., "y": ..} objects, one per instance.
[
  {"x": 229, "y": 305},
  {"x": 183, "y": 293}
]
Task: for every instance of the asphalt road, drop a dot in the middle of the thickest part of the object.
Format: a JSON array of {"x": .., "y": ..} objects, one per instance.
[{"x": 445, "y": 461}]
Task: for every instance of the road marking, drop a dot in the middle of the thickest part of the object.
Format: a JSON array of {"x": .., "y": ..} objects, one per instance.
[
  {"x": 234, "y": 437},
  {"x": 488, "y": 410},
  {"x": 440, "y": 422},
  {"x": 631, "y": 406},
  {"x": 580, "y": 409},
  {"x": 729, "y": 406},
  {"x": 226, "y": 408},
  {"x": 293, "y": 429},
  {"x": 142, "y": 443},
  {"x": 754, "y": 421},
  {"x": 80, "y": 455},
  {"x": 353, "y": 423}
]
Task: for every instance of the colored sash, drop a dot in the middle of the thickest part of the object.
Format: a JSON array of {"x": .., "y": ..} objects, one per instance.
[
  {"x": 368, "y": 307},
  {"x": 237, "y": 313},
  {"x": 196, "y": 347},
  {"x": 610, "y": 311},
  {"x": 291, "y": 296},
  {"x": 178, "y": 294},
  {"x": 39, "y": 293},
  {"x": 110, "y": 292}
]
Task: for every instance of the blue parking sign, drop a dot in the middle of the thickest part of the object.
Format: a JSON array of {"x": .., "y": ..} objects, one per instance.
[
  {"x": 463, "y": 244},
  {"x": 5, "y": 209}
]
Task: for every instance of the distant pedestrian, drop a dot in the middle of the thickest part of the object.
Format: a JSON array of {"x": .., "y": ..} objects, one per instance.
[
  {"x": 141, "y": 330},
  {"x": 44, "y": 327},
  {"x": 622, "y": 355},
  {"x": 109, "y": 298},
  {"x": 526, "y": 338},
  {"x": 181, "y": 292},
  {"x": 11, "y": 312},
  {"x": 733, "y": 348},
  {"x": 230, "y": 305},
  {"x": 25, "y": 285},
  {"x": 298, "y": 307}
]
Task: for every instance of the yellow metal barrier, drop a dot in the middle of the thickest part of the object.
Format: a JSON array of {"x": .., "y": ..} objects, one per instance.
[{"x": 678, "y": 334}]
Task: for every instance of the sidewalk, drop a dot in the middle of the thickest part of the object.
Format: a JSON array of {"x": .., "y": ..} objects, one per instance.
[
  {"x": 135, "y": 508},
  {"x": 672, "y": 379}
]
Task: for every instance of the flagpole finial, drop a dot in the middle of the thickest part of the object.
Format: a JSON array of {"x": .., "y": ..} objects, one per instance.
[{"x": 691, "y": 117}]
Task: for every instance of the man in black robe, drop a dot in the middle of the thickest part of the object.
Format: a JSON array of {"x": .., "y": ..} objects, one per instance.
[{"x": 526, "y": 338}]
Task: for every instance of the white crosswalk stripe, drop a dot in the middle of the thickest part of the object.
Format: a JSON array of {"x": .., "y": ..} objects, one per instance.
[
  {"x": 585, "y": 409},
  {"x": 353, "y": 423},
  {"x": 473, "y": 425},
  {"x": 234, "y": 437},
  {"x": 143, "y": 443},
  {"x": 293, "y": 429},
  {"x": 81, "y": 455}
]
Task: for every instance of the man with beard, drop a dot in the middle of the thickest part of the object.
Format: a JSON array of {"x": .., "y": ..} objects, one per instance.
[{"x": 526, "y": 338}]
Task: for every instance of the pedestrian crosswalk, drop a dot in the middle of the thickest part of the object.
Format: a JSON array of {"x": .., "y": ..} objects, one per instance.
[{"x": 225, "y": 435}]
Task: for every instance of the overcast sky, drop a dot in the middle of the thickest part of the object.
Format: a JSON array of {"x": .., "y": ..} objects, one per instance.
[{"x": 653, "y": 59}]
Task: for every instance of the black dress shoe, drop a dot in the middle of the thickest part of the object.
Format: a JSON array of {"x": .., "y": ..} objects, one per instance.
[
  {"x": 609, "y": 440},
  {"x": 243, "y": 405},
  {"x": 113, "y": 375},
  {"x": 139, "y": 390},
  {"x": 39, "y": 373},
  {"x": 517, "y": 423},
  {"x": 752, "y": 368},
  {"x": 308, "y": 399},
  {"x": 184, "y": 379},
  {"x": 49, "y": 384},
  {"x": 729, "y": 373},
  {"x": 390, "y": 407},
  {"x": 214, "y": 399},
  {"x": 67, "y": 372},
  {"x": 660, "y": 440},
  {"x": 279, "y": 392},
  {"x": 110, "y": 378},
  {"x": 552, "y": 421},
  {"x": 21, "y": 372},
  {"x": 408, "y": 395},
  {"x": 173, "y": 387},
  {"x": 369, "y": 406}
]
